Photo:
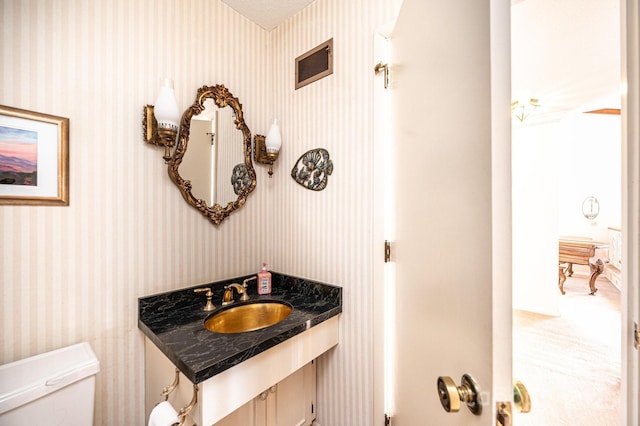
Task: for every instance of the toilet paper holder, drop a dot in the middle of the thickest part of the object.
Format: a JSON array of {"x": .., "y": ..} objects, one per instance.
[
  {"x": 168, "y": 389},
  {"x": 184, "y": 411}
]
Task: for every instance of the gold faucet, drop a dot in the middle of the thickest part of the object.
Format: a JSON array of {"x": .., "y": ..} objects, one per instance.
[{"x": 227, "y": 298}]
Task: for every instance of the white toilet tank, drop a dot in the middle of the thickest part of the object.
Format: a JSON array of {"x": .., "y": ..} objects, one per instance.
[{"x": 53, "y": 388}]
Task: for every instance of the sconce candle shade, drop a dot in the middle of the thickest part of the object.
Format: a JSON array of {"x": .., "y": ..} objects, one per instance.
[
  {"x": 166, "y": 107},
  {"x": 274, "y": 139},
  {"x": 267, "y": 148},
  {"x": 160, "y": 122}
]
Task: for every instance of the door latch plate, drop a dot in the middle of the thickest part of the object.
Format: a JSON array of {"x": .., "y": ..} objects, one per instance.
[{"x": 503, "y": 413}]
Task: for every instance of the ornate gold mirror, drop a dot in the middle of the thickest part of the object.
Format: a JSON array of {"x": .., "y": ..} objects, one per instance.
[{"x": 212, "y": 162}]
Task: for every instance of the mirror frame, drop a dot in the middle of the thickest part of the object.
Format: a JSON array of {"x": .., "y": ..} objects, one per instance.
[
  {"x": 222, "y": 98},
  {"x": 587, "y": 207}
]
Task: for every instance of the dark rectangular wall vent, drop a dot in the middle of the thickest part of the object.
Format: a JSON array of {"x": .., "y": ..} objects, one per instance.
[{"x": 314, "y": 64}]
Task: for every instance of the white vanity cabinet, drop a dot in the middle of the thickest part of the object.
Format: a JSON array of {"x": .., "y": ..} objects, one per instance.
[
  {"x": 236, "y": 396},
  {"x": 287, "y": 403}
]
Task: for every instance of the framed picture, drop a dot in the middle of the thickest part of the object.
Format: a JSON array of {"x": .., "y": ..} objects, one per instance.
[{"x": 34, "y": 158}]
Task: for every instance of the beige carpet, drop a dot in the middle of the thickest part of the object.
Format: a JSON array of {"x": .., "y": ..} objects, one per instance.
[{"x": 571, "y": 364}]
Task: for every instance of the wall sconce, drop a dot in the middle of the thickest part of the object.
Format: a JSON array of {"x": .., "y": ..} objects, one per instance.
[
  {"x": 160, "y": 123},
  {"x": 267, "y": 149},
  {"x": 522, "y": 109}
]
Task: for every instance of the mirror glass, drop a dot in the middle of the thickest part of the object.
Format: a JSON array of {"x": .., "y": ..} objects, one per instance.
[
  {"x": 590, "y": 207},
  {"x": 214, "y": 151},
  {"x": 212, "y": 162}
]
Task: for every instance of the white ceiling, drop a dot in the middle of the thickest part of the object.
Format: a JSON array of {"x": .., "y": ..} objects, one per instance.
[
  {"x": 566, "y": 53},
  {"x": 268, "y": 13}
]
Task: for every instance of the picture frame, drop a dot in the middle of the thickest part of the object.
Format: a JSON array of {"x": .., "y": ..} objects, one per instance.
[{"x": 34, "y": 158}]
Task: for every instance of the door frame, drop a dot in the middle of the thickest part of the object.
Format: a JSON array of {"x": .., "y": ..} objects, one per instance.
[
  {"x": 630, "y": 114},
  {"x": 381, "y": 315}
]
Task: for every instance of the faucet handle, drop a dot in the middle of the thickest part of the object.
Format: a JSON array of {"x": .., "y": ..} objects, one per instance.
[
  {"x": 244, "y": 283},
  {"x": 209, "y": 294},
  {"x": 245, "y": 295}
]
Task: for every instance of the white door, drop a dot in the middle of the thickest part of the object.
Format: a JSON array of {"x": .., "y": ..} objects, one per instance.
[
  {"x": 451, "y": 251},
  {"x": 450, "y": 84}
]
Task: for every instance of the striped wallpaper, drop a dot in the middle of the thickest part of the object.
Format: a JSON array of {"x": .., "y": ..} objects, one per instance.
[
  {"x": 328, "y": 235},
  {"x": 72, "y": 274}
]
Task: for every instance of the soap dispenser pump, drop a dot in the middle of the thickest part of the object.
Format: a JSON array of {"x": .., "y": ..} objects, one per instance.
[{"x": 264, "y": 280}]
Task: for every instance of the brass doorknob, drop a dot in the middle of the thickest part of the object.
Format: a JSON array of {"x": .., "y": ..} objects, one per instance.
[
  {"x": 521, "y": 397},
  {"x": 451, "y": 395}
]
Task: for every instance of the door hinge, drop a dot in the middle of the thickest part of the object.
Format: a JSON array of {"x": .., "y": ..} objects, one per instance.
[
  {"x": 387, "y": 420},
  {"x": 636, "y": 336},
  {"x": 384, "y": 68},
  {"x": 387, "y": 252}
]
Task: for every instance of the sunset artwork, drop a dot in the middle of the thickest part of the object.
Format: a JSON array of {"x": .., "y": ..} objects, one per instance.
[{"x": 18, "y": 157}]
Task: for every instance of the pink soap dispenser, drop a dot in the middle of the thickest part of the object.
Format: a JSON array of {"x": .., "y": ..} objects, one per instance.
[{"x": 264, "y": 280}]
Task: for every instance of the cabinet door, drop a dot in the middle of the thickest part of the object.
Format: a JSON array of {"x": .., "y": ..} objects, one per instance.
[
  {"x": 289, "y": 403},
  {"x": 253, "y": 413},
  {"x": 295, "y": 398}
]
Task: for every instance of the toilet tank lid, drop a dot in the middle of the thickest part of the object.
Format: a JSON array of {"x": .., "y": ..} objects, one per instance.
[{"x": 31, "y": 378}]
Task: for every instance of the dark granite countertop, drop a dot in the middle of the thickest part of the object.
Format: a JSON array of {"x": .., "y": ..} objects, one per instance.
[{"x": 174, "y": 321}]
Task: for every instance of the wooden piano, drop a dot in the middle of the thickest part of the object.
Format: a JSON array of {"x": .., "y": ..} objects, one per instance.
[{"x": 580, "y": 251}]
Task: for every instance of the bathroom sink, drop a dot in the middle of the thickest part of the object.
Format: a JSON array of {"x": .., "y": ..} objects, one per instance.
[{"x": 248, "y": 317}]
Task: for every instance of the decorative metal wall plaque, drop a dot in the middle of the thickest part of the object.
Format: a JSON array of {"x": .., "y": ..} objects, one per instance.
[
  {"x": 313, "y": 169},
  {"x": 240, "y": 178}
]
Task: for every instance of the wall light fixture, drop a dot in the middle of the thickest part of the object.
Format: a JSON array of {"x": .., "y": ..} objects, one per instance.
[
  {"x": 160, "y": 122},
  {"x": 522, "y": 109},
  {"x": 267, "y": 148}
]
